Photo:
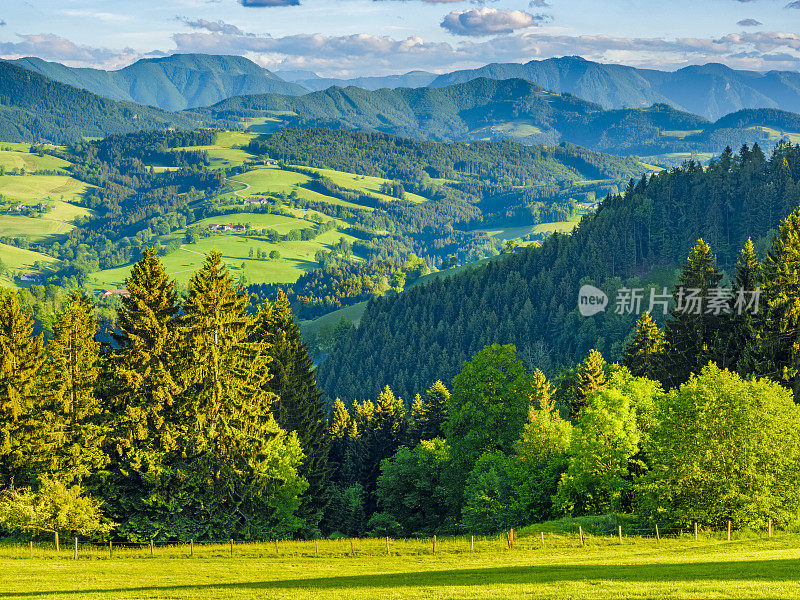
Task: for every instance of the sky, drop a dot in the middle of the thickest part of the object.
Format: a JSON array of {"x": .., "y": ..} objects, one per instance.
[{"x": 345, "y": 38}]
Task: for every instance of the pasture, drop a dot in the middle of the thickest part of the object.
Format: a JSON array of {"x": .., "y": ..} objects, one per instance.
[{"x": 751, "y": 567}]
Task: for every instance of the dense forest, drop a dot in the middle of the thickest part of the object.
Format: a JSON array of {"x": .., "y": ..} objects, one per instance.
[
  {"x": 529, "y": 299},
  {"x": 203, "y": 421},
  {"x": 38, "y": 109}
]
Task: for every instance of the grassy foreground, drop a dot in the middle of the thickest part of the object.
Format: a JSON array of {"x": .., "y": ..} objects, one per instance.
[{"x": 638, "y": 568}]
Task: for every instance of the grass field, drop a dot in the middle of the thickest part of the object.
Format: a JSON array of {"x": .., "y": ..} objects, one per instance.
[
  {"x": 750, "y": 568},
  {"x": 228, "y": 150},
  {"x": 24, "y": 160},
  {"x": 26, "y": 188},
  {"x": 19, "y": 260},
  {"x": 297, "y": 257}
]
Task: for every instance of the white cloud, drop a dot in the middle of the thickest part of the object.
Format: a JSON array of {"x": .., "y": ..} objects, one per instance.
[{"x": 489, "y": 21}]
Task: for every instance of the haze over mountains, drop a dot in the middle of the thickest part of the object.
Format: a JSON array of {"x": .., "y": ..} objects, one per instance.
[
  {"x": 185, "y": 81},
  {"x": 173, "y": 83}
]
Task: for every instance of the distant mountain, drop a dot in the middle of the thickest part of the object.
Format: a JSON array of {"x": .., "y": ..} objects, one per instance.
[
  {"x": 173, "y": 83},
  {"x": 513, "y": 109},
  {"x": 295, "y": 75},
  {"x": 412, "y": 79},
  {"x": 711, "y": 90},
  {"x": 34, "y": 108},
  {"x": 481, "y": 109}
]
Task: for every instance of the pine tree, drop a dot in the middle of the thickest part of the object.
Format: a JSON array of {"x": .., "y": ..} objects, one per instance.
[
  {"x": 643, "y": 353},
  {"x": 435, "y": 411},
  {"x": 20, "y": 360},
  {"x": 543, "y": 392},
  {"x": 71, "y": 422},
  {"x": 416, "y": 421},
  {"x": 744, "y": 342},
  {"x": 591, "y": 378},
  {"x": 382, "y": 440},
  {"x": 692, "y": 334},
  {"x": 243, "y": 465},
  {"x": 782, "y": 294},
  {"x": 298, "y": 405},
  {"x": 145, "y": 393}
]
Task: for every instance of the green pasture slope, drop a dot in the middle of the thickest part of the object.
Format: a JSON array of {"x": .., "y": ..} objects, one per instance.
[{"x": 753, "y": 567}]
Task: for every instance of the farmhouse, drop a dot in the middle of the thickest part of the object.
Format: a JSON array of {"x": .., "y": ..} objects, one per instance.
[
  {"x": 32, "y": 277},
  {"x": 115, "y": 292}
]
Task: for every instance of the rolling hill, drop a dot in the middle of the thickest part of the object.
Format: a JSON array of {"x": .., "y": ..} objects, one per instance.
[
  {"x": 173, "y": 83},
  {"x": 35, "y": 108}
]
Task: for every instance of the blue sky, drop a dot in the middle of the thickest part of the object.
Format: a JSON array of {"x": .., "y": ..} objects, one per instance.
[{"x": 372, "y": 37}]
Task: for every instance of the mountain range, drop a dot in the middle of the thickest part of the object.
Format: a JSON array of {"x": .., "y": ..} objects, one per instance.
[
  {"x": 173, "y": 83},
  {"x": 511, "y": 109},
  {"x": 185, "y": 81}
]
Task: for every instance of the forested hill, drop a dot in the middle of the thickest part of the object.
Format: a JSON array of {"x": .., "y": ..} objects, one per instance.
[
  {"x": 711, "y": 90},
  {"x": 173, "y": 82},
  {"x": 513, "y": 109},
  {"x": 34, "y": 108},
  {"x": 530, "y": 299},
  {"x": 479, "y": 109}
]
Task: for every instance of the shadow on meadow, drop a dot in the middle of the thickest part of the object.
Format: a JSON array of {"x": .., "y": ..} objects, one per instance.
[{"x": 767, "y": 571}]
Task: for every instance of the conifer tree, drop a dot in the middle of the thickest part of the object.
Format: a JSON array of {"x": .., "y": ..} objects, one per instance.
[
  {"x": 298, "y": 405},
  {"x": 244, "y": 466},
  {"x": 643, "y": 353},
  {"x": 145, "y": 394},
  {"x": 71, "y": 423},
  {"x": 693, "y": 336},
  {"x": 336, "y": 433},
  {"x": 416, "y": 421},
  {"x": 782, "y": 295},
  {"x": 435, "y": 411},
  {"x": 591, "y": 378},
  {"x": 543, "y": 392},
  {"x": 744, "y": 342},
  {"x": 20, "y": 360}
]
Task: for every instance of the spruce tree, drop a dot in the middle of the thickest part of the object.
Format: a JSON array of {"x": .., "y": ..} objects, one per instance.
[
  {"x": 693, "y": 336},
  {"x": 744, "y": 342},
  {"x": 243, "y": 465},
  {"x": 20, "y": 360},
  {"x": 144, "y": 394},
  {"x": 543, "y": 392},
  {"x": 782, "y": 294},
  {"x": 591, "y": 379},
  {"x": 644, "y": 352},
  {"x": 382, "y": 439},
  {"x": 435, "y": 411},
  {"x": 71, "y": 421},
  {"x": 416, "y": 421},
  {"x": 298, "y": 404}
]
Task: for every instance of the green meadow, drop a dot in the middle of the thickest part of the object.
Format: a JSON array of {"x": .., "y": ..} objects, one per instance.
[{"x": 679, "y": 568}]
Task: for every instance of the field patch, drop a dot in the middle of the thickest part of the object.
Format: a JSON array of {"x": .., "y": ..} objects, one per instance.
[
  {"x": 681, "y": 569},
  {"x": 26, "y": 188},
  {"x": 19, "y": 261}
]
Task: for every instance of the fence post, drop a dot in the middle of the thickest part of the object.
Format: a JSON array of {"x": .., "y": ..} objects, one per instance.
[
  {"x": 729, "y": 530},
  {"x": 770, "y": 528},
  {"x": 472, "y": 543},
  {"x": 75, "y": 556},
  {"x": 695, "y": 531},
  {"x": 434, "y": 544},
  {"x": 512, "y": 538},
  {"x": 57, "y": 548},
  {"x": 276, "y": 545},
  {"x": 543, "y": 539},
  {"x": 110, "y": 549},
  {"x": 151, "y": 547},
  {"x": 387, "y": 546},
  {"x": 316, "y": 548},
  {"x": 31, "y": 548},
  {"x": 658, "y": 537},
  {"x": 231, "y": 546},
  {"x": 191, "y": 547},
  {"x": 580, "y": 533},
  {"x": 619, "y": 528}
]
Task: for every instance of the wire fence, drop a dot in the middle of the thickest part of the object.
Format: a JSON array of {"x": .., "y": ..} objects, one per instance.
[{"x": 531, "y": 540}]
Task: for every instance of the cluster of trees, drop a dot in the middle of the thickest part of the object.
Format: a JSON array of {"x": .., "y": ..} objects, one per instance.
[
  {"x": 200, "y": 420},
  {"x": 529, "y": 299},
  {"x": 342, "y": 282},
  {"x": 507, "y": 448}
]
